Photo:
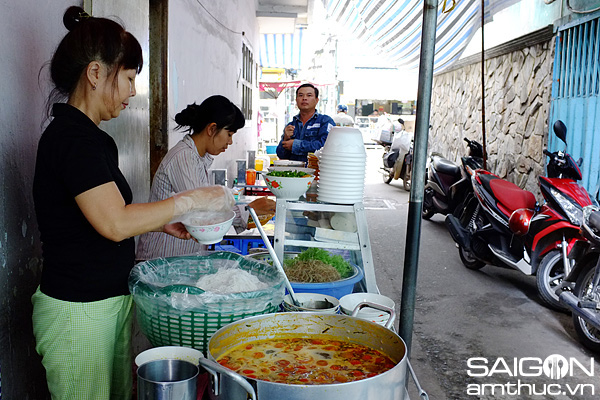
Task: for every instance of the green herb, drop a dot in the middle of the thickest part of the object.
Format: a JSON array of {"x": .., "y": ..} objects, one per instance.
[
  {"x": 315, "y": 253},
  {"x": 288, "y": 174}
]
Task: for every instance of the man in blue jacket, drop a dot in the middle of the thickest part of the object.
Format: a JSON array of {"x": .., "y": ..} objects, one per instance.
[{"x": 308, "y": 130}]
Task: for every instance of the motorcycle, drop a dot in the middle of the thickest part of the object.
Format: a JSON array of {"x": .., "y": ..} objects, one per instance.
[
  {"x": 447, "y": 185},
  {"x": 503, "y": 225},
  {"x": 397, "y": 163},
  {"x": 584, "y": 298},
  {"x": 568, "y": 198}
]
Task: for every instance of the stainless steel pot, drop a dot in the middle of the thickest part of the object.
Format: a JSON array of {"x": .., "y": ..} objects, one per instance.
[{"x": 227, "y": 385}]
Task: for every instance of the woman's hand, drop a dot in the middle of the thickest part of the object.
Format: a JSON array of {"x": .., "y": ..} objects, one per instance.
[
  {"x": 263, "y": 206},
  {"x": 178, "y": 230}
]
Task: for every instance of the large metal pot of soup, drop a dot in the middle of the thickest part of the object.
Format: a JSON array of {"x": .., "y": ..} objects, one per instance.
[{"x": 334, "y": 331}]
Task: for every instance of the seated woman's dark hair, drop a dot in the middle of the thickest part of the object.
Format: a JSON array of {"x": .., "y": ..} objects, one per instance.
[
  {"x": 217, "y": 109},
  {"x": 90, "y": 39}
]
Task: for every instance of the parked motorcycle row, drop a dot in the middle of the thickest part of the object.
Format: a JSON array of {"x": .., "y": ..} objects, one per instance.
[{"x": 495, "y": 222}]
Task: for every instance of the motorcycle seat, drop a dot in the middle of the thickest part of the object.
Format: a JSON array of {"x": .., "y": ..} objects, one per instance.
[
  {"x": 510, "y": 197},
  {"x": 445, "y": 166}
]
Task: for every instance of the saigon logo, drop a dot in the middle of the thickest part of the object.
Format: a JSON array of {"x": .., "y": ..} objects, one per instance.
[{"x": 554, "y": 367}]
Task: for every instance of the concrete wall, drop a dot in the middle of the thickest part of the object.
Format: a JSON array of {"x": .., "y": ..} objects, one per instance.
[
  {"x": 30, "y": 31},
  {"x": 205, "y": 58},
  {"x": 517, "y": 102}
]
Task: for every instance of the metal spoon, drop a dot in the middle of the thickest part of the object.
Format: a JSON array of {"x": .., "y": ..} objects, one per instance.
[{"x": 265, "y": 239}]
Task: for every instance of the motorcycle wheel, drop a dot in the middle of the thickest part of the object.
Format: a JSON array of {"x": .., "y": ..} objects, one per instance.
[
  {"x": 469, "y": 260},
  {"x": 588, "y": 335},
  {"x": 548, "y": 278},
  {"x": 387, "y": 178},
  {"x": 406, "y": 178}
]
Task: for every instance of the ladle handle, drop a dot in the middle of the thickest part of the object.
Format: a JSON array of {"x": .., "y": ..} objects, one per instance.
[
  {"x": 265, "y": 239},
  {"x": 422, "y": 393}
]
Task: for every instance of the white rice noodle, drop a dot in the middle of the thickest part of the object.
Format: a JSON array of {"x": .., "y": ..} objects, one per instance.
[{"x": 231, "y": 280}]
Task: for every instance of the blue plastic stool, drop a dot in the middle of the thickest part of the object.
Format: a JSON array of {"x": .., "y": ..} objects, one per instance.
[
  {"x": 227, "y": 247},
  {"x": 248, "y": 244}
]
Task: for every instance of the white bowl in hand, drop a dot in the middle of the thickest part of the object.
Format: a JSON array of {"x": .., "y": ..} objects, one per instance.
[{"x": 208, "y": 227}]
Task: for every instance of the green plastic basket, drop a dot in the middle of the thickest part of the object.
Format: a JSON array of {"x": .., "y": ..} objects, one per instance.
[{"x": 171, "y": 311}]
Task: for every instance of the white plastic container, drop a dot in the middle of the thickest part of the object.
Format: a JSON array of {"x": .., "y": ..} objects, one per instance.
[{"x": 349, "y": 302}]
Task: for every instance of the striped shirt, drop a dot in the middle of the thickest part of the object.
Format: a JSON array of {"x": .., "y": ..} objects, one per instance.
[{"x": 183, "y": 168}]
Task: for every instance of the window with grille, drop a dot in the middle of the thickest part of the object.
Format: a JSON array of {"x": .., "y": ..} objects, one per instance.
[
  {"x": 247, "y": 80},
  {"x": 576, "y": 60}
]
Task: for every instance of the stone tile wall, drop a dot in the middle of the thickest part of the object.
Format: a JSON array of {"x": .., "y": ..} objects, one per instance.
[{"x": 517, "y": 91}]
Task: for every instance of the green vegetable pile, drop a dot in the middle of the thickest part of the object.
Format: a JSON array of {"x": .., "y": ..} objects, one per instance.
[
  {"x": 288, "y": 174},
  {"x": 314, "y": 253}
]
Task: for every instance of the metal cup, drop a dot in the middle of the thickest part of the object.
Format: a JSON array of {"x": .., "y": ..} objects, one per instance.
[
  {"x": 251, "y": 158},
  {"x": 167, "y": 380},
  {"x": 241, "y": 172}
]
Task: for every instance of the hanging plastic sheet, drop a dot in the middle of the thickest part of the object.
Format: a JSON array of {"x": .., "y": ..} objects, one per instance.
[{"x": 393, "y": 27}]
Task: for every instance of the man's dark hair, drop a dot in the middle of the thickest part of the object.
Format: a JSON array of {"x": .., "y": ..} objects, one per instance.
[{"x": 310, "y": 85}]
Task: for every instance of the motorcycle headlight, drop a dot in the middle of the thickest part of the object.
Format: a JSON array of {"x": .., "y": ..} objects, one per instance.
[{"x": 573, "y": 210}]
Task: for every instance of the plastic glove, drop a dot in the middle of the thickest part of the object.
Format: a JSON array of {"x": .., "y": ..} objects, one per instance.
[{"x": 208, "y": 198}]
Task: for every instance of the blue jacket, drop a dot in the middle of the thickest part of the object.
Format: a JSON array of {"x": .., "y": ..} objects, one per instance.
[{"x": 308, "y": 137}]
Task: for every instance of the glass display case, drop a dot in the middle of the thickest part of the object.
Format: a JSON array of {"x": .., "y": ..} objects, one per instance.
[{"x": 340, "y": 229}]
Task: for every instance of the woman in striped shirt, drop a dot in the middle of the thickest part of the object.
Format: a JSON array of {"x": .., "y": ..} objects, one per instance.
[{"x": 210, "y": 128}]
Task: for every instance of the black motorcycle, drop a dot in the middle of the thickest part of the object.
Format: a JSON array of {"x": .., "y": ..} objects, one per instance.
[
  {"x": 584, "y": 298},
  {"x": 447, "y": 185}
]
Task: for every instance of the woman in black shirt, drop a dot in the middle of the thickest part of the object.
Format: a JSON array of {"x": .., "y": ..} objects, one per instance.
[{"x": 82, "y": 309}]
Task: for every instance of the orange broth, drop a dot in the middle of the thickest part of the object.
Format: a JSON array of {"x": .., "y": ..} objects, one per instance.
[{"x": 304, "y": 361}]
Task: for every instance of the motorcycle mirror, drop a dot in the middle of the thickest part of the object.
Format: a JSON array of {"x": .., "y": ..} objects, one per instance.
[
  {"x": 560, "y": 130},
  {"x": 580, "y": 162}
]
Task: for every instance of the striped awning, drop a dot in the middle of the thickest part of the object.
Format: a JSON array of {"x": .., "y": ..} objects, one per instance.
[
  {"x": 278, "y": 50},
  {"x": 393, "y": 27}
]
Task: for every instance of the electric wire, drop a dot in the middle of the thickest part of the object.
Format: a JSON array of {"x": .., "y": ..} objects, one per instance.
[{"x": 219, "y": 22}]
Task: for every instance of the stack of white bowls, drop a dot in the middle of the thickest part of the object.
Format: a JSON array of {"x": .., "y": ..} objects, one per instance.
[{"x": 342, "y": 164}]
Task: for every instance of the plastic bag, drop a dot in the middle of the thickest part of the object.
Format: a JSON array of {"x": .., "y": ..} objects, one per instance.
[
  {"x": 386, "y": 129},
  {"x": 171, "y": 282},
  {"x": 402, "y": 141}
]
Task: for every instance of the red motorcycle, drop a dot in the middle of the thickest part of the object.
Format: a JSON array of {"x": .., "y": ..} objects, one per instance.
[
  {"x": 567, "y": 198},
  {"x": 503, "y": 225}
]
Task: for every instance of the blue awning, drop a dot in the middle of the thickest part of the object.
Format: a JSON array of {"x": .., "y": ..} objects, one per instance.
[
  {"x": 393, "y": 27},
  {"x": 281, "y": 50}
]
